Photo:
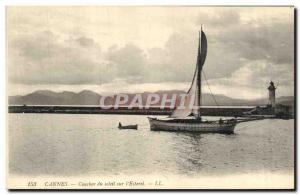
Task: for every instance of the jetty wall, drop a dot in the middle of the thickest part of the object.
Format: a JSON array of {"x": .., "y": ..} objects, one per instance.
[{"x": 207, "y": 111}]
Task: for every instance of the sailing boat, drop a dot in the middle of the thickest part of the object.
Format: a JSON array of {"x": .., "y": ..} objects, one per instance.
[{"x": 188, "y": 118}]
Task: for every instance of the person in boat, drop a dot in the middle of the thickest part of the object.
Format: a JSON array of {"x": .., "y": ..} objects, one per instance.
[
  {"x": 120, "y": 125},
  {"x": 220, "y": 121}
]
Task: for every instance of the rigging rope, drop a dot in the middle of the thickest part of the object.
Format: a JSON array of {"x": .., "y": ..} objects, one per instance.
[{"x": 210, "y": 90}]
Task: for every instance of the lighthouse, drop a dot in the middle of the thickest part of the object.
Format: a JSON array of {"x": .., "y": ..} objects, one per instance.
[{"x": 272, "y": 89}]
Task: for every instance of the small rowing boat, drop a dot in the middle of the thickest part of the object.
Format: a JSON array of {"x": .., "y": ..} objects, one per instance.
[{"x": 127, "y": 126}]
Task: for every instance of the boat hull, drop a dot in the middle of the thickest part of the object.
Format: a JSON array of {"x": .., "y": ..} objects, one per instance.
[
  {"x": 129, "y": 127},
  {"x": 199, "y": 127}
]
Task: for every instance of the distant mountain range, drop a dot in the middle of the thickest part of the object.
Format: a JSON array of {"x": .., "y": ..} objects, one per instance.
[{"x": 86, "y": 97}]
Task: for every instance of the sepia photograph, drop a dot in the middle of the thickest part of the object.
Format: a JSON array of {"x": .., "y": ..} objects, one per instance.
[{"x": 150, "y": 97}]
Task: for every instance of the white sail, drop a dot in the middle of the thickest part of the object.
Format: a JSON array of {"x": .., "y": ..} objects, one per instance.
[
  {"x": 192, "y": 102},
  {"x": 189, "y": 104}
]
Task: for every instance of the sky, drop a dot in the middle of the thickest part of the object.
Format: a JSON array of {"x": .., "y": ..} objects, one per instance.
[{"x": 135, "y": 49}]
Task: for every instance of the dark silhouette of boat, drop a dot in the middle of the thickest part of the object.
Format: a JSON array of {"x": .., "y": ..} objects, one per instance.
[
  {"x": 178, "y": 120},
  {"x": 127, "y": 126}
]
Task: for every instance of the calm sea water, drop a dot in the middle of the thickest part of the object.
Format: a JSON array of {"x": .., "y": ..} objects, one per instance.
[{"x": 69, "y": 145}]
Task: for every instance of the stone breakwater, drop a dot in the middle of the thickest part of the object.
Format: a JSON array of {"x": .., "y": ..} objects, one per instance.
[{"x": 206, "y": 111}]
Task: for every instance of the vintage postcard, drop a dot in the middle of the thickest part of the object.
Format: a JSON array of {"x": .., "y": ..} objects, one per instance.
[{"x": 134, "y": 97}]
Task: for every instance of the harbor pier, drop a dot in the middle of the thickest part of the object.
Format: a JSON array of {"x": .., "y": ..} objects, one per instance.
[{"x": 206, "y": 111}]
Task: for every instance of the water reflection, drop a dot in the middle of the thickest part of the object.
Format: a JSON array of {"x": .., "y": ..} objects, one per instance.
[{"x": 92, "y": 144}]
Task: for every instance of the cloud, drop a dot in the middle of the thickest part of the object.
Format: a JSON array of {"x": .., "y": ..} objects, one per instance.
[
  {"x": 220, "y": 17},
  {"x": 272, "y": 42},
  {"x": 85, "y": 42},
  {"x": 251, "y": 81},
  {"x": 128, "y": 61},
  {"x": 249, "y": 53},
  {"x": 44, "y": 58}
]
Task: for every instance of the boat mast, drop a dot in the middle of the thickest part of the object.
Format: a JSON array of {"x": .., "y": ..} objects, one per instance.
[{"x": 199, "y": 76}]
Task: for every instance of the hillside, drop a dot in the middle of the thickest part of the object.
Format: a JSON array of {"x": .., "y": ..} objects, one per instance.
[{"x": 86, "y": 97}]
